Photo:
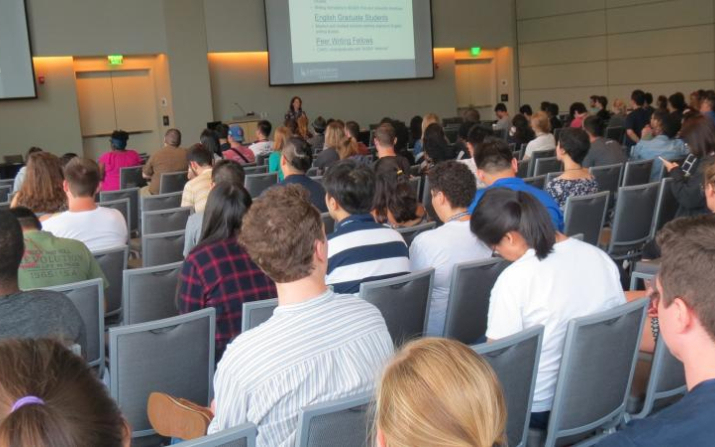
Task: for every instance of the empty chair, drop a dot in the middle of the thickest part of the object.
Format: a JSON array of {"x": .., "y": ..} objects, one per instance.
[
  {"x": 404, "y": 302},
  {"x": 599, "y": 359},
  {"x": 468, "y": 302},
  {"x": 113, "y": 262},
  {"x": 344, "y": 422},
  {"x": 173, "y": 356},
  {"x": 162, "y": 221},
  {"x": 608, "y": 177},
  {"x": 522, "y": 168},
  {"x": 410, "y": 233},
  {"x": 427, "y": 200},
  {"x": 163, "y": 248},
  {"x": 666, "y": 206},
  {"x": 88, "y": 298},
  {"x": 133, "y": 195},
  {"x": 4, "y": 206},
  {"x": 257, "y": 183},
  {"x": 243, "y": 435},
  {"x": 7, "y": 182},
  {"x": 263, "y": 169},
  {"x": 172, "y": 182},
  {"x": 150, "y": 293},
  {"x": 416, "y": 183},
  {"x": 131, "y": 177},
  {"x": 586, "y": 215},
  {"x": 328, "y": 222},
  {"x": 257, "y": 312},
  {"x": 633, "y": 220},
  {"x": 536, "y": 182},
  {"x": 548, "y": 153},
  {"x": 637, "y": 172},
  {"x": 543, "y": 166},
  {"x": 515, "y": 360},
  {"x": 121, "y": 205},
  {"x": 615, "y": 133},
  {"x": 160, "y": 202}
]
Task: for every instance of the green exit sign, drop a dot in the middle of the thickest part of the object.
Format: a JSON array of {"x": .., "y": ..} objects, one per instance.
[
  {"x": 115, "y": 59},
  {"x": 475, "y": 51}
]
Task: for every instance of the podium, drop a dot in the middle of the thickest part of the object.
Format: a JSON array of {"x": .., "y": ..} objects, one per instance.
[{"x": 249, "y": 124}]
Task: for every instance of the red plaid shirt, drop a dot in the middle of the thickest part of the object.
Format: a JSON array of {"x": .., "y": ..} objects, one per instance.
[{"x": 222, "y": 275}]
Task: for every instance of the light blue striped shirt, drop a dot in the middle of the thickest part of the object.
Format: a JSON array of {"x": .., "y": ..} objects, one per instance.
[{"x": 330, "y": 347}]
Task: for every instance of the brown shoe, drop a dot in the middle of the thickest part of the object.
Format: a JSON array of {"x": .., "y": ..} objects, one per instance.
[{"x": 176, "y": 417}]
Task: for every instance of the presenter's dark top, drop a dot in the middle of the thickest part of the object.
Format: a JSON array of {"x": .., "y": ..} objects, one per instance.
[
  {"x": 688, "y": 422},
  {"x": 294, "y": 114},
  {"x": 317, "y": 193}
]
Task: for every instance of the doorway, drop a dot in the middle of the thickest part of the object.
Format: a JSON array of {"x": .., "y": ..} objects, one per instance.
[{"x": 476, "y": 85}]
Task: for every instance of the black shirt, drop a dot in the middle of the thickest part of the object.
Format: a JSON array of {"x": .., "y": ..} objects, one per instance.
[
  {"x": 636, "y": 121},
  {"x": 316, "y": 190}
]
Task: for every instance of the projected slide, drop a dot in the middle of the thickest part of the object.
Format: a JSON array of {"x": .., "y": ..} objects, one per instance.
[{"x": 17, "y": 79}]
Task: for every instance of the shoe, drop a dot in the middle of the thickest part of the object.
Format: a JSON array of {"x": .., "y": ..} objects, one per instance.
[{"x": 177, "y": 418}]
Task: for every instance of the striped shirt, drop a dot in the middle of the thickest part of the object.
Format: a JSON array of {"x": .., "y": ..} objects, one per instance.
[
  {"x": 361, "y": 250},
  {"x": 196, "y": 192},
  {"x": 330, "y": 347}
]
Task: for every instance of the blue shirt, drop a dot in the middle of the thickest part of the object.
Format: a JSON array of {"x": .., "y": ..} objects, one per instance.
[
  {"x": 688, "y": 422},
  {"x": 517, "y": 184},
  {"x": 660, "y": 146},
  {"x": 317, "y": 193}
]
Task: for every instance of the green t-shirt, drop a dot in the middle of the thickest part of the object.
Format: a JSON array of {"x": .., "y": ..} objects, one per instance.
[{"x": 54, "y": 261}]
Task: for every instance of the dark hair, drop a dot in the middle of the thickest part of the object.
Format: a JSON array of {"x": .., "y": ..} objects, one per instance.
[
  {"x": 493, "y": 155},
  {"x": 638, "y": 96},
  {"x": 662, "y": 102},
  {"x": 523, "y": 131},
  {"x": 471, "y": 115},
  {"x": 119, "y": 139},
  {"x": 544, "y": 106},
  {"x": 415, "y": 128},
  {"x": 464, "y": 128},
  {"x": 353, "y": 129},
  {"x": 200, "y": 155},
  {"x": 385, "y": 134},
  {"x": 228, "y": 171},
  {"x": 352, "y": 185},
  {"x": 225, "y": 208},
  {"x": 67, "y": 157},
  {"x": 577, "y": 107},
  {"x": 32, "y": 150},
  {"x": 455, "y": 181},
  {"x": 526, "y": 110},
  {"x": 575, "y": 143},
  {"x": 677, "y": 101},
  {"x": 299, "y": 154},
  {"x": 319, "y": 124},
  {"x": 502, "y": 210},
  {"x": 699, "y": 133},
  {"x": 13, "y": 248},
  {"x": 603, "y": 101},
  {"x": 265, "y": 128},
  {"x": 221, "y": 131},
  {"x": 501, "y": 107},
  {"x": 82, "y": 176},
  {"x": 172, "y": 137},
  {"x": 669, "y": 125},
  {"x": 393, "y": 192},
  {"x": 594, "y": 125},
  {"x": 26, "y": 217},
  {"x": 477, "y": 134},
  {"x": 648, "y": 98},
  {"x": 292, "y": 100},
  {"x": 209, "y": 139},
  {"x": 553, "y": 109},
  {"x": 77, "y": 409},
  {"x": 402, "y": 137},
  {"x": 435, "y": 143}
]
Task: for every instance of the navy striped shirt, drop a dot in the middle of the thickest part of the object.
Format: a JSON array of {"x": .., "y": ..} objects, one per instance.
[{"x": 361, "y": 250}]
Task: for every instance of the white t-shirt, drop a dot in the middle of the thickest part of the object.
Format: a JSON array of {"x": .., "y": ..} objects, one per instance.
[
  {"x": 472, "y": 165},
  {"x": 441, "y": 248},
  {"x": 575, "y": 280},
  {"x": 543, "y": 142},
  {"x": 261, "y": 147},
  {"x": 99, "y": 229}
]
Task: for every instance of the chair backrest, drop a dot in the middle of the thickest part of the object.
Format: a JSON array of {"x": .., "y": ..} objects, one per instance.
[
  {"x": 161, "y": 221},
  {"x": 599, "y": 359},
  {"x": 131, "y": 177},
  {"x": 4, "y": 206},
  {"x": 163, "y": 248},
  {"x": 124, "y": 206},
  {"x": 586, "y": 215},
  {"x": 546, "y": 165},
  {"x": 667, "y": 378},
  {"x": 262, "y": 169},
  {"x": 427, "y": 199},
  {"x": 633, "y": 219},
  {"x": 5, "y": 191},
  {"x": 637, "y": 172},
  {"x": 243, "y": 435},
  {"x": 515, "y": 360},
  {"x": 416, "y": 184},
  {"x": 160, "y": 202},
  {"x": 536, "y": 182},
  {"x": 130, "y": 193},
  {"x": 608, "y": 177},
  {"x": 149, "y": 293},
  {"x": 328, "y": 222},
  {"x": 173, "y": 356},
  {"x": 403, "y": 301},
  {"x": 615, "y": 133},
  {"x": 88, "y": 298},
  {"x": 666, "y": 206},
  {"x": 257, "y": 183},
  {"x": 172, "y": 181},
  {"x": 8, "y": 182},
  {"x": 410, "y": 233},
  {"x": 522, "y": 168},
  {"x": 343, "y": 422},
  {"x": 468, "y": 301},
  {"x": 312, "y": 172},
  {"x": 547, "y": 153},
  {"x": 257, "y": 312},
  {"x": 113, "y": 262},
  {"x": 261, "y": 159},
  {"x": 552, "y": 175}
]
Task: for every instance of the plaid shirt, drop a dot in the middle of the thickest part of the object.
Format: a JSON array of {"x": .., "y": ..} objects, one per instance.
[{"x": 222, "y": 275}]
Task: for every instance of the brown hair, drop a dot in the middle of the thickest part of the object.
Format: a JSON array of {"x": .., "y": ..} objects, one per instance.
[
  {"x": 303, "y": 127},
  {"x": 430, "y": 118},
  {"x": 699, "y": 133},
  {"x": 77, "y": 410},
  {"x": 347, "y": 148},
  {"x": 334, "y": 135},
  {"x": 279, "y": 233},
  {"x": 82, "y": 175},
  {"x": 709, "y": 175},
  {"x": 438, "y": 392},
  {"x": 385, "y": 134},
  {"x": 540, "y": 121},
  {"x": 280, "y": 137},
  {"x": 42, "y": 189}
]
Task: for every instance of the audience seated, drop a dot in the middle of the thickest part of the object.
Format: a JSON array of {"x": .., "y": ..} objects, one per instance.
[
  {"x": 112, "y": 162},
  {"x": 395, "y": 204},
  {"x": 496, "y": 167},
  {"x": 576, "y": 180},
  {"x": 452, "y": 188},
  {"x": 303, "y": 132},
  {"x": 352, "y": 131},
  {"x": 601, "y": 107},
  {"x": 618, "y": 114},
  {"x": 50, "y": 397},
  {"x": 318, "y": 140},
  {"x": 435, "y": 147},
  {"x": 238, "y": 152},
  {"x": 685, "y": 310},
  {"x": 476, "y": 136},
  {"x": 196, "y": 190},
  {"x": 282, "y": 134},
  {"x": 577, "y": 113},
  {"x": 218, "y": 272},
  {"x": 384, "y": 142},
  {"x": 659, "y": 140},
  {"x": 263, "y": 144},
  {"x": 52, "y": 261},
  {"x": 329, "y": 155},
  {"x": 34, "y": 313},
  {"x": 41, "y": 189},
  {"x": 545, "y": 284},
  {"x": 503, "y": 120},
  {"x": 521, "y": 131},
  {"x": 360, "y": 249},
  {"x": 221, "y": 130},
  {"x": 552, "y": 110},
  {"x": 98, "y": 227},
  {"x": 430, "y": 118},
  {"x": 707, "y": 104},
  {"x": 170, "y": 158},
  {"x": 677, "y": 106},
  {"x": 603, "y": 151},
  {"x": 544, "y": 139},
  {"x": 295, "y": 162},
  {"x": 637, "y": 119},
  {"x": 438, "y": 392},
  {"x": 527, "y": 111},
  {"x": 212, "y": 140},
  {"x": 20, "y": 176}
]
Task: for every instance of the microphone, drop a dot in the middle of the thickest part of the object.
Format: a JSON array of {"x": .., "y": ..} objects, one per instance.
[{"x": 243, "y": 110}]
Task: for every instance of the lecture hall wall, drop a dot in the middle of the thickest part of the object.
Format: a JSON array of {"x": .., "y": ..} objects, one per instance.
[{"x": 216, "y": 54}]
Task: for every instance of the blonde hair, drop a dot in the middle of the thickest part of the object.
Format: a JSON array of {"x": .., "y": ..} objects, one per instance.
[
  {"x": 428, "y": 119},
  {"x": 280, "y": 137},
  {"x": 334, "y": 134},
  {"x": 439, "y": 393},
  {"x": 619, "y": 106},
  {"x": 540, "y": 121},
  {"x": 347, "y": 148}
]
